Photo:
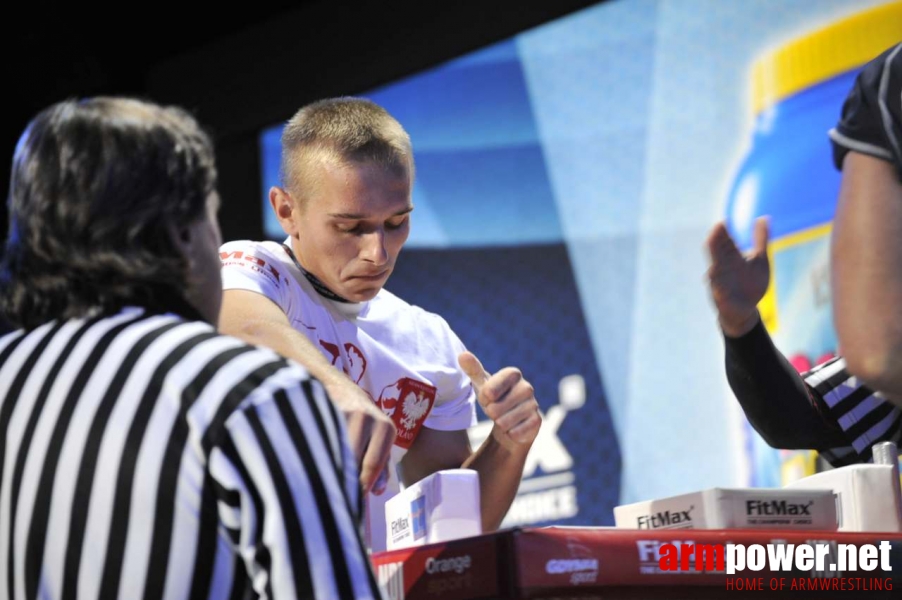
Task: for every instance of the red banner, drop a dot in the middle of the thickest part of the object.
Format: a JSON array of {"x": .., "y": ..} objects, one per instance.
[{"x": 620, "y": 563}]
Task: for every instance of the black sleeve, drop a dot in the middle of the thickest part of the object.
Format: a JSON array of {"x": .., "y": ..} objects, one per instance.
[
  {"x": 871, "y": 121},
  {"x": 774, "y": 397}
]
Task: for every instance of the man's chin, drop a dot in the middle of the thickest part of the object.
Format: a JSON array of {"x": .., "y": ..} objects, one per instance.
[
  {"x": 362, "y": 289},
  {"x": 361, "y": 293}
]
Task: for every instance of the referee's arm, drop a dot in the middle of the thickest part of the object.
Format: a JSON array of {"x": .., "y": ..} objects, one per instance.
[
  {"x": 287, "y": 496},
  {"x": 776, "y": 400}
]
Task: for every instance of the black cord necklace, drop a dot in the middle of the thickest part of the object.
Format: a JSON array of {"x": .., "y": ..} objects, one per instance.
[{"x": 318, "y": 285}]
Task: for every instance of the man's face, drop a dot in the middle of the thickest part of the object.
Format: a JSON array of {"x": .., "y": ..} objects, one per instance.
[
  {"x": 350, "y": 228},
  {"x": 201, "y": 248}
]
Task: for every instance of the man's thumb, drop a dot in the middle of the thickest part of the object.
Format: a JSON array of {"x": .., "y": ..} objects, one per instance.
[{"x": 473, "y": 368}]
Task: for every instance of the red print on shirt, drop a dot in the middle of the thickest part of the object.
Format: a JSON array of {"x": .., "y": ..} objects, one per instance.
[
  {"x": 353, "y": 361},
  {"x": 249, "y": 261},
  {"x": 408, "y": 402}
]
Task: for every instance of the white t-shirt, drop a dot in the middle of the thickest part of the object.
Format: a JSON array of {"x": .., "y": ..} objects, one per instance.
[{"x": 404, "y": 357}]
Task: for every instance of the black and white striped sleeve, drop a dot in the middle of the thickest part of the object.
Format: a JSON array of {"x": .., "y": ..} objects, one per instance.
[
  {"x": 825, "y": 409},
  {"x": 863, "y": 416},
  {"x": 871, "y": 121},
  {"x": 773, "y": 397},
  {"x": 287, "y": 493}
]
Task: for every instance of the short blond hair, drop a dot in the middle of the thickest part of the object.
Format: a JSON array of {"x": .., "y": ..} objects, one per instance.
[{"x": 343, "y": 130}]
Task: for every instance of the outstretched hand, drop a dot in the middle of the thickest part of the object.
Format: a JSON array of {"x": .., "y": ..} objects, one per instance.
[{"x": 738, "y": 282}]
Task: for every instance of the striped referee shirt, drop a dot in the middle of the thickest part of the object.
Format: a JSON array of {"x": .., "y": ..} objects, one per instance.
[
  {"x": 145, "y": 456},
  {"x": 871, "y": 121},
  {"x": 825, "y": 409},
  {"x": 864, "y": 417}
]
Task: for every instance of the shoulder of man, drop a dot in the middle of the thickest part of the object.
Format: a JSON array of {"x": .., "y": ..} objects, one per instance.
[
  {"x": 390, "y": 302},
  {"x": 247, "y": 363},
  {"x": 871, "y": 119},
  {"x": 430, "y": 326},
  {"x": 239, "y": 249},
  {"x": 256, "y": 260},
  {"x": 238, "y": 373}
]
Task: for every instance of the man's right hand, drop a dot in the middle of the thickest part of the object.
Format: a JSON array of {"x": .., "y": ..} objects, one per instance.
[
  {"x": 258, "y": 320},
  {"x": 738, "y": 282},
  {"x": 370, "y": 432}
]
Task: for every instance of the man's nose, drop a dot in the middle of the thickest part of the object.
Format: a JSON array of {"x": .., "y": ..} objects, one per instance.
[{"x": 373, "y": 249}]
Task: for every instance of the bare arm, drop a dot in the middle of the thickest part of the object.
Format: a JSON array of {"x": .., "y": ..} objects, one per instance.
[
  {"x": 258, "y": 320},
  {"x": 507, "y": 398},
  {"x": 866, "y": 259},
  {"x": 499, "y": 468}
]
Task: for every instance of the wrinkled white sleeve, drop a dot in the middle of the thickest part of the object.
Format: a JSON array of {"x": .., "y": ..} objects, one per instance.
[{"x": 455, "y": 406}]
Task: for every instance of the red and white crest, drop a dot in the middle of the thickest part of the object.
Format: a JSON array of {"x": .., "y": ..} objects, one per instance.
[
  {"x": 414, "y": 408},
  {"x": 408, "y": 402}
]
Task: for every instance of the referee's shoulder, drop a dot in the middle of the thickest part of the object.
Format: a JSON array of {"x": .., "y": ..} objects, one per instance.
[
  {"x": 256, "y": 363},
  {"x": 237, "y": 377},
  {"x": 289, "y": 371}
]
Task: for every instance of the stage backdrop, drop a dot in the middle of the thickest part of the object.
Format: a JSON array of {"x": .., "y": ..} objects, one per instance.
[{"x": 566, "y": 181}]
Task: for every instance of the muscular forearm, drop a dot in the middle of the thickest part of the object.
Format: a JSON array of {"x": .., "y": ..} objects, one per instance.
[
  {"x": 866, "y": 260},
  {"x": 773, "y": 395},
  {"x": 882, "y": 371},
  {"x": 288, "y": 342},
  {"x": 500, "y": 468},
  {"x": 370, "y": 432}
]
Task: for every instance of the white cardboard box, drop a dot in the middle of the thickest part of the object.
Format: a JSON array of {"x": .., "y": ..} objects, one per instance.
[
  {"x": 865, "y": 496},
  {"x": 443, "y": 506},
  {"x": 720, "y": 508}
]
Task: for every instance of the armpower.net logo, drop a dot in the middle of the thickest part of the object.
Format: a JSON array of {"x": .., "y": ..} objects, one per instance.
[{"x": 823, "y": 566}]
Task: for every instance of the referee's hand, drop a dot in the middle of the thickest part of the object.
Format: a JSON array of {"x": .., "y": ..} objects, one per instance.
[{"x": 738, "y": 281}]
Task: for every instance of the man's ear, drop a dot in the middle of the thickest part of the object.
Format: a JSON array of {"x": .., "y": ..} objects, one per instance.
[
  {"x": 285, "y": 209},
  {"x": 182, "y": 237}
]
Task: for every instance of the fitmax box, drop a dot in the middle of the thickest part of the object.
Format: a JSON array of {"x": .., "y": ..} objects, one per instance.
[
  {"x": 721, "y": 508},
  {"x": 867, "y": 496},
  {"x": 441, "y": 507}
]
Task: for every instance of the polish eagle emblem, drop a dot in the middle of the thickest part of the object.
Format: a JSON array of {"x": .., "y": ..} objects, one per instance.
[{"x": 413, "y": 409}]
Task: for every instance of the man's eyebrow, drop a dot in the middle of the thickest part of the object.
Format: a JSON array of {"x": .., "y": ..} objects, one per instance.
[{"x": 358, "y": 216}]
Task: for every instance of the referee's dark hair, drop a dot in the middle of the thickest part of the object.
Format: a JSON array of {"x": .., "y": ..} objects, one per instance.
[{"x": 95, "y": 186}]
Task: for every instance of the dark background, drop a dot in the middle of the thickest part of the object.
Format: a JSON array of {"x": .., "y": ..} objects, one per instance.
[{"x": 243, "y": 68}]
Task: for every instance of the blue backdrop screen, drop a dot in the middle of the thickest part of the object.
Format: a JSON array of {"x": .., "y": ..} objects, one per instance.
[{"x": 566, "y": 180}]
